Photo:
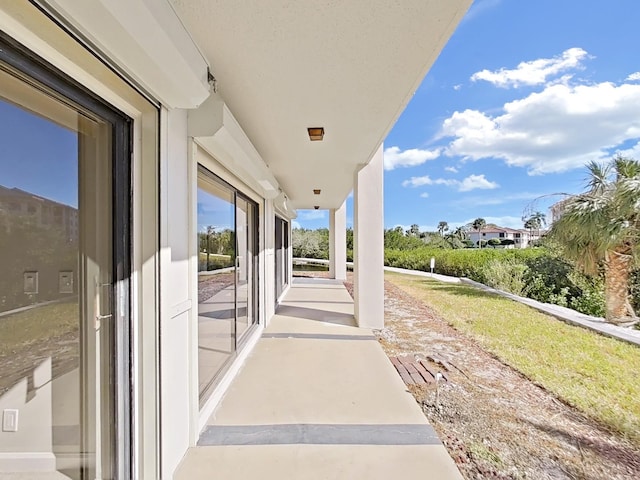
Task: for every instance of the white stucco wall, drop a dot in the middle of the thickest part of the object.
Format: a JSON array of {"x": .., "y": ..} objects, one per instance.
[
  {"x": 30, "y": 448},
  {"x": 175, "y": 296}
]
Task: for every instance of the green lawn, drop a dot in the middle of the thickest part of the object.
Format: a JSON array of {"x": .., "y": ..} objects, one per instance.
[{"x": 598, "y": 375}]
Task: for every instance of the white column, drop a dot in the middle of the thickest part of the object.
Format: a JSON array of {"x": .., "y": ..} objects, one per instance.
[
  {"x": 368, "y": 244},
  {"x": 338, "y": 242}
]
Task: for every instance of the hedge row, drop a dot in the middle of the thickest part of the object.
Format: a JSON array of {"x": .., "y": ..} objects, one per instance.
[
  {"x": 533, "y": 272},
  {"x": 468, "y": 263}
]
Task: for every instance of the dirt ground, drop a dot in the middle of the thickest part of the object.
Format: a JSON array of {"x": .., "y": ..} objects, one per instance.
[
  {"x": 209, "y": 285},
  {"x": 495, "y": 423}
]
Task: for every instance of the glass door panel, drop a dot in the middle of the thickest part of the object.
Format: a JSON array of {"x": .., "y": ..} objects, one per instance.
[
  {"x": 216, "y": 279},
  {"x": 245, "y": 264},
  {"x": 227, "y": 275},
  {"x": 57, "y": 329},
  {"x": 281, "y": 255}
]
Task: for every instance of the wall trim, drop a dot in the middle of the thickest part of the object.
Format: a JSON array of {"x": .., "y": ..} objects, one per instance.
[{"x": 144, "y": 40}]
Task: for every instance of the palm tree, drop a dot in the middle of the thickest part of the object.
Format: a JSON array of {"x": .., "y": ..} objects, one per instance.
[
  {"x": 443, "y": 227},
  {"x": 457, "y": 237},
  {"x": 600, "y": 229},
  {"x": 529, "y": 225},
  {"x": 460, "y": 233},
  {"x": 534, "y": 222},
  {"x": 478, "y": 224},
  {"x": 414, "y": 230}
]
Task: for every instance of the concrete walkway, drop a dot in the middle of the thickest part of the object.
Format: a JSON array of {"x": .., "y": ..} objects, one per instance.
[{"x": 317, "y": 399}]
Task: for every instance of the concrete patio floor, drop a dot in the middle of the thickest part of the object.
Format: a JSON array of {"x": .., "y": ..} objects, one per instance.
[{"x": 317, "y": 399}]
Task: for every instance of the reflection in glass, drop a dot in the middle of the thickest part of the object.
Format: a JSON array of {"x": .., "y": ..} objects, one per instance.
[
  {"x": 245, "y": 233},
  {"x": 227, "y": 275},
  {"x": 56, "y": 256},
  {"x": 281, "y": 263},
  {"x": 216, "y": 279}
]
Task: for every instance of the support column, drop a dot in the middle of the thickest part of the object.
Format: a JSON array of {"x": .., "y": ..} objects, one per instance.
[
  {"x": 338, "y": 242},
  {"x": 368, "y": 244}
]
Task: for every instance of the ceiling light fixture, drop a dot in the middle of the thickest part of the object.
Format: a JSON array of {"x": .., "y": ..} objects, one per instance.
[
  {"x": 316, "y": 207},
  {"x": 316, "y": 191},
  {"x": 315, "y": 133}
]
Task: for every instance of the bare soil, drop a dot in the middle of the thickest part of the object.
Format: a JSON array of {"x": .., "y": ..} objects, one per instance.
[
  {"x": 495, "y": 423},
  {"x": 209, "y": 285}
]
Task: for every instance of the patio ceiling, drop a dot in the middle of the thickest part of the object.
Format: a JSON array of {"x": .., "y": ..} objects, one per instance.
[{"x": 348, "y": 66}]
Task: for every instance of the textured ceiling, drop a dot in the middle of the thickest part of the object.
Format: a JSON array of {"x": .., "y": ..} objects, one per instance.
[{"x": 348, "y": 66}]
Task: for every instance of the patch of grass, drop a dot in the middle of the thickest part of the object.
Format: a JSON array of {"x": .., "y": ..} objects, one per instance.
[
  {"x": 39, "y": 323},
  {"x": 598, "y": 375},
  {"x": 481, "y": 452}
]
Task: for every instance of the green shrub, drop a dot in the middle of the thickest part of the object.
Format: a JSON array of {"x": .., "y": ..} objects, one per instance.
[
  {"x": 505, "y": 274},
  {"x": 551, "y": 279},
  {"x": 215, "y": 262},
  {"x": 548, "y": 281},
  {"x": 590, "y": 301}
]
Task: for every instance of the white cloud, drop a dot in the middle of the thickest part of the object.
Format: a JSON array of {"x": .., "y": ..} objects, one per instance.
[
  {"x": 476, "y": 182},
  {"x": 472, "y": 182},
  {"x": 311, "y": 214},
  {"x": 506, "y": 221},
  {"x": 457, "y": 87},
  {"x": 451, "y": 169},
  {"x": 633, "y": 152},
  {"x": 424, "y": 195},
  {"x": 534, "y": 72},
  {"x": 394, "y": 157},
  {"x": 426, "y": 180},
  {"x": 634, "y": 77},
  {"x": 295, "y": 224},
  {"x": 555, "y": 130},
  {"x": 497, "y": 200}
]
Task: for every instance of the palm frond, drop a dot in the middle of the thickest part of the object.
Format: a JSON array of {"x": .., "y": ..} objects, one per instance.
[
  {"x": 626, "y": 167},
  {"x": 598, "y": 178}
]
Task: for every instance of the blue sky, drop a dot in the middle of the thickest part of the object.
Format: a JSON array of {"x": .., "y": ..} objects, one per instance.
[
  {"x": 524, "y": 94},
  {"x": 45, "y": 163}
]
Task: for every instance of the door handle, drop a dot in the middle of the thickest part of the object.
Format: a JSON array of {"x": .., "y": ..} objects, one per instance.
[{"x": 99, "y": 316}]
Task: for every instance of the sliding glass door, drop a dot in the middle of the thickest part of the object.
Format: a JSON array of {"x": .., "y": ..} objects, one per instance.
[
  {"x": 281, "y": 256},
  {"x": 227, "y": 275},
  {"x": 246, "y": 264},
  {"x": 64, "y": 251}
]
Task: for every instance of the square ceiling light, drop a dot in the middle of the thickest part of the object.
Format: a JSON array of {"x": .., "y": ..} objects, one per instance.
[
  {"x": 315, "y": 133},
  {"x": 316, "y": 191}
]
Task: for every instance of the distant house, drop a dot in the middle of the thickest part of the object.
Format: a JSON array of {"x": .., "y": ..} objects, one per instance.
[{"x": 521, "y": 238}]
